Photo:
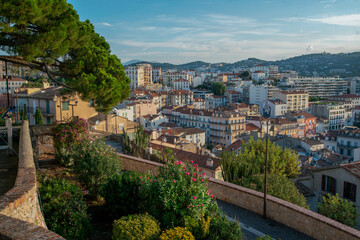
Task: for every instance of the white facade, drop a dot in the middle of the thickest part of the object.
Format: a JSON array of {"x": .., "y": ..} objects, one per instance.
[
  {"x": 156, "y": 74},
  {"x": 14, "y": 83},
  {"x": 136, "y": 75},
  {"x": 170, "y": 77},
  {"x": 181, "y": 84},
  {"x": 196, "y": 81},
  {"x": 257, "y": 94},
  {"x": 258, "y": 75},
  {"x": 262, "y": 68},
  {"x": 125, "y": 111},
  {"x": 273, "y": 108}
]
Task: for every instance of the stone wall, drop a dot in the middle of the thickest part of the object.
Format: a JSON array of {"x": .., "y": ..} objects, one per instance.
[
  {"x": 298, "y": 218},
  {"x": 20, "y": 214}
]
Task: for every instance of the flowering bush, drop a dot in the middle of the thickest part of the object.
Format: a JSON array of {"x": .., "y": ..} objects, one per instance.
[
  {"x": 121, "y": 194},
  {"x": 94, "y": 163},
  {"x": 177, "y": 233},
  {"x": 64, "y": 208},
  {"x": 66, "y": 135},
  {"x": 139, "y": 227},
  {"x": 177, "y": 191}
]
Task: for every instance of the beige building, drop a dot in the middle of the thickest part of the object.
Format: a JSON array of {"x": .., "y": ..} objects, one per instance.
[
  {"x": 53, "y": 106},
  {"x": 170, "y": 77},
  {"x": 143, "y": 108},
  {"x": 295, "y": 100},
  {"x": 342, "y": 179}
]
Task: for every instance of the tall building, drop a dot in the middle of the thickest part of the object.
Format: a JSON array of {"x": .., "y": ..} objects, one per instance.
[
  {"x": 334, "y": 112},
  {"x": 140, "y": 75},
  {"x": 316, "y": 87},
  {"x": 156, "y": 74},
  {"x": 170, "y": 77},
  {"x": 295, "y": 100},
  {"x": 136, "y": 75}
]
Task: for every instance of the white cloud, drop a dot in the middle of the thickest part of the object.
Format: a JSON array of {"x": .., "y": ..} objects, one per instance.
[
  {"x": 106, "y": 24},
  {"x": 344, "y": 20},
  {"x": 328, "y": 1}
]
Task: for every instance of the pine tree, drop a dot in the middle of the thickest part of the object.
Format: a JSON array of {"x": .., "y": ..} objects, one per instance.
[{"x": 49, "y": 36}]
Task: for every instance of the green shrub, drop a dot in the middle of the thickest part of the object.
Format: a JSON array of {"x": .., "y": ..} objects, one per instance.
[
  {"x": 176, "y": 192},
  {"x": 338, "y": 209},
  {"x": 121, "y": 194},
  {"x": 38, "y": 116},
  {"x": 222, "y": 228},
  {"x": 136, "y": 227},
  {"x": 199, "y": 228},
  {"x": 278, "y": 186},
  {"x": 64, "y": 208},
  {"x": 94, "y": 163},
  {"x": 177, "y": 233}
]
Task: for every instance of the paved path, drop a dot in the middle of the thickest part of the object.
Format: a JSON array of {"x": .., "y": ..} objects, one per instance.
[{"x": 253, "y": 225}]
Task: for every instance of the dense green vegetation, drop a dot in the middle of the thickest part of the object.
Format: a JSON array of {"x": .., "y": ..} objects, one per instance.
[
  {"x": 248, "y": 167},
  {"x": 339, "y": 209},
  {"x": 218, "y": 88},
  {"x": 64, "y": 207},
  {"x": 49, "y": 36}
]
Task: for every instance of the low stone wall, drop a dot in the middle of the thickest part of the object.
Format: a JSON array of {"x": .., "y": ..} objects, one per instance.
[
  {"x": 291, "y": 215},
  {"x": 20, "y": 215}
]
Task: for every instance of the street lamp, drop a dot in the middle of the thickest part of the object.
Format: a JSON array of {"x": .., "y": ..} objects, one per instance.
[
  {"x": 266, "y": 166},
  {"x": 72, "y": 107}
]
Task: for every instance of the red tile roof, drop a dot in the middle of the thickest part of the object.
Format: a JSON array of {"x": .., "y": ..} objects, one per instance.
[{"x": 353, "y": 167}]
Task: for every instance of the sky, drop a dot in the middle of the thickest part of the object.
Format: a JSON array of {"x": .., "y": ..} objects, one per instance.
[{"x": 214, "y": 31}]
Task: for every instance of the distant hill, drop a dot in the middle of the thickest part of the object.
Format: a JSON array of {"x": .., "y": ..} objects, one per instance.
[{"x": 318, "y": 64}]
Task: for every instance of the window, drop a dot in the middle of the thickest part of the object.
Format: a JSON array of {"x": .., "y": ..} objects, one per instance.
[
  {"x": 65, "y": 105},
  {"x": 328, "y": 184},
  {"x": 349, "y": 191}
]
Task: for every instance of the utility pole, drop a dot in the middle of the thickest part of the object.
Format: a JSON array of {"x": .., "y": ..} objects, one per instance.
[
  {"x": 17, "y": 105},
  {"x": 266, "y": 166},
  {"x": 7, "y": 85}
]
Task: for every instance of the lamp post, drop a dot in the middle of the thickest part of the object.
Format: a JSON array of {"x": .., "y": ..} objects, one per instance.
[
  {"x": 17, "y": 105},
  {"x": 55, "y": 99},
  {"x": 266, "y": 166}
]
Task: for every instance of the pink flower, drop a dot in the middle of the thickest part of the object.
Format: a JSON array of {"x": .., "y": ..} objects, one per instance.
[
  {"x": 202, "y": 180},
  {"x": 187, "y": 173},
  {"x": 202, "y": 204},
  {"x": 212, "y": 196},
  {"x": 209, "y": 191},
  {"x": 194, "y": 179},
  {"x": 174, "y": 181},
  {"x": 194, "y": 197},
  {"x": 192, "y": 161},
  {"x": 188, "y": 206},
  {"x": 155, "y": 181},
  {"x": 194, "y": 174},
  {"x": 193, "y": 206},
  {"x": 203, "y": 173},
  {"x": 155, "y": 175},
  {"x": 139, "y": 188},
  {"x": 140, "y": 177}
]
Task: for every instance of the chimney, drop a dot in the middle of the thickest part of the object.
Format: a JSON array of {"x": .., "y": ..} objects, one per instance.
[{"x": 209, "y": 162}]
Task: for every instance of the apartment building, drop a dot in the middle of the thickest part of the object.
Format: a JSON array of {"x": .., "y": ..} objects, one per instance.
[
  {"x": 214, "y": 101},
  {"x": 125, "y": 111},
  {"x": 257, "y": 94},
  {"x": 334, "y": 112},
  {"x": 14, "y": 83},
  {"x": 306, "y": 123},
  {"x": 181, "y": 84},
  {"x": 258, "y": 75},
  {"x": 295, "y": 100},
  {"x": 348, "y": 143},
  {"x": 222, "y": 127},
  {"x": 199, "y": 103},
  {"x": 136, "y": 74},
  {"x": 233, "y": 96},
  {"x": 156, "y": 74},
  {"x": 273, "y": 108},
  {"x": 170, "y": 77},
  {"x": 180, "y": 98},
  {"x": 285, "y": 127},
  {"x": 317, "y": 87},
  {"x": 349, "y": 100},
  {"x": 53, "y": 105},
  {"x": 14, "y": 70}
]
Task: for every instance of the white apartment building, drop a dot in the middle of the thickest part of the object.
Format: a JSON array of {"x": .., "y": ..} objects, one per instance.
[
  {"x": 14, "y": 83},
  {"x": 273, "y": 108},
  {"x": 317, "y": 87},
  {"x": 258, "y": 75},
  {"x": 199, "y": 103},
  {"x": 170, "y": 77},
  {"x": 196, "y": 81},
  {"x": 334, "y": 112},
  {"x": 181, "y": 84},
  {"x": 156, "y": 74},
  {"x": 180, "y": 98},
  {"x": 136, "y": 75},
  {"x": 125, "y": 111},
  {"x": 257, "y": 94},
  {"x": 262, "y": 68}
]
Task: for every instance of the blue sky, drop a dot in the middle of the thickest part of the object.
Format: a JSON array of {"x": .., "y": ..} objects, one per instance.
[{"x": 224, "y": 30}]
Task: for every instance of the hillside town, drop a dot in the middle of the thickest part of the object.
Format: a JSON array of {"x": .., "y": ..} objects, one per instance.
[{"x": 201, "y": 113}]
